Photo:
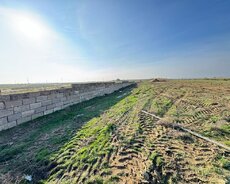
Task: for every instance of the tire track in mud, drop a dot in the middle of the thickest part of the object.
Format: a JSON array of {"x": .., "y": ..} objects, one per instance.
[
  {"x": 131, "y": 160},
  {"x": 127, "y": 158},
  {"x": 131, "y": 157},
  {"x": 97, "y": 167},
  {"x": 183, "y": 160},
  {"x": 181, "y": 157}
]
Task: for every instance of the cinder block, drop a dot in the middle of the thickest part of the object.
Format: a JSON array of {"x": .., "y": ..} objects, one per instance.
[
  {"x": 34, "y": 94},
  {"x": 27, "y": 113},
  {"x": 3, "y": 121},
  {"x": 10, "y": 104},
  {"x": 52, "y": 106},
  {"x": 48, "y": 111},
  {"x": 28, "y": 101},
  {"x": 65, "y": 106},
  {"x": 14, "y": 117},
  {"x": 57, "y": 108},
  {"x": 11, "y": 124},
  {"x": 2, "y": 105},
  {"x": 23, "y": 120},
  {"x": 2, "y": 127},
  {"x": 63, "y": 99},
  {"x": 59, "y": 104},
  {"x": 21, "y": 108},
  {"x": 67, "y": 102},
  {"x": 4, "y": 97},
  {"x": 6, "y": 112},
  {"x": 37, "y": 115},
  {"x": 52, "y": 96},
  {"x": 56, "y": 100},
  {"x": 40, "y": 109},
  {"x": 76, "y": 100},
  {"x": 35, "y": 105},
  {"x": 41, "y": 98},
  {"x": 59, "y": 95},
  {"x": 47, "y": 102},
  {"x": 76, "y": 92}
]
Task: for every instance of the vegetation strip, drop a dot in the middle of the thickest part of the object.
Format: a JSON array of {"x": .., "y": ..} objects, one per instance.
[{"x": 191, "y": 132}]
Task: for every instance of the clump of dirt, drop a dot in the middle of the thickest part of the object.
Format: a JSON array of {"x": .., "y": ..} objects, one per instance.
[{"x": 186, "y": 138}]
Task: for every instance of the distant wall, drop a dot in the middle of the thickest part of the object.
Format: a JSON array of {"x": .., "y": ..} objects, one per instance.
[{"x": 19, "y": 108}]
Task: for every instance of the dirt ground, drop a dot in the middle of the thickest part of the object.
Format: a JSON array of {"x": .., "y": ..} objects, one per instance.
[{"x": 110, "y": 139}]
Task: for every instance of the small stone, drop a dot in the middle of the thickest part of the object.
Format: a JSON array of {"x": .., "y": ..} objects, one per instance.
[{"x": 146, "y": 176}]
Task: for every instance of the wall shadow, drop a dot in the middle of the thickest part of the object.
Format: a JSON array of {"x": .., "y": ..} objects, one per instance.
[{"x": 26, "y": 149}]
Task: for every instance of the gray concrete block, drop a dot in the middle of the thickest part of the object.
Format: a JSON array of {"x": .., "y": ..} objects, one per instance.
[
  {"x": 3, "y": 121},
  {"x": 63, "y": 99},
  {"x": 59, "y": 95},
  {"x": 21, "y": 108},
  {"x": 46, "y": 102},
  {"x": 2, "y": 105},
  {"x": 59, "y": 104},
  {"x": 48, "y": 111},
  {"x": 10, "y": 104},
  {"x": 14, "y": 117},
  {"x": 37, "y": 115},
  {"x": 27, "y": 113},
  {"x": 34, "y": 94},
  {"x": 40, "y": 109},
  {"x": 4, "y": 97},
  {"x": 52, "y": 106},
  {"x": 35, "y": 105},
  {"x": 2, "y": 127},
  {"x": 76, "y": 92},
  {"x": 41, "y": 98},
  {"x": 57, "y": 108},
  {"x": 28, "y": 101},
  {"x": 65, "y": 106},
  {"x": 56, "y": 100},
  {"x": 52, "y": 96},
  {"x": 6, "y": 112},
  {"x": 11, "y": 124},
  {"x": 23, "y": 120}
]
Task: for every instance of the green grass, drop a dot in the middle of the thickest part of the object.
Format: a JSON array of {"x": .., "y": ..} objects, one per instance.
[
  {"x": 218, "y": 133},
  {"x": 42, "y": 154},
  {"x": 161, "y": 105},
  {"x": 153, "y": 156},
  {"x": 225, "y": 163},
  {"x": 97, "y": 180},
  {"x": 96, "y": 134}
]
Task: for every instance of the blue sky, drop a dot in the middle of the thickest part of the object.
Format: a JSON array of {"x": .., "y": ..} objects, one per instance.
[{"x": 88, "y": 40}]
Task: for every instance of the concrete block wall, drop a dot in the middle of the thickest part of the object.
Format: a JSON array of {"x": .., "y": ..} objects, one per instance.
[{"x": 19, "y": 108}]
